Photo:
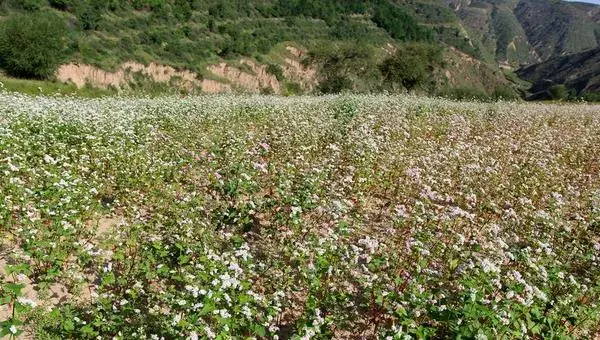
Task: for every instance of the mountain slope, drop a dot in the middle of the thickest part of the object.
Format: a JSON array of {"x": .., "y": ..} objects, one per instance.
[
  {"x": 579, "y": 72},
  {"x": 297, "y": 46},
  {"x": 245, "y": 46},
  {"x": 518, "y": 32},
  {"x": 555, "y": 28}
]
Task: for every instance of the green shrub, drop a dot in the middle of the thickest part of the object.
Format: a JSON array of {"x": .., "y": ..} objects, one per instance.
[
  {"x": 291, "y": 89},
  {"x": 27, "y": 5},
  {"x": 342, "y": 65},
  {"x": 591, "y": 96},
  {"x": 505, "y": 92},
  {"x": 275, "y": 70},
  {"x": 32, "y": 45},
  {"x": 90, "y": 13},
  {"x": 411, "y": 67},
  {"x": 335, "y": 84},
  {"x": 559, "y": 92}
]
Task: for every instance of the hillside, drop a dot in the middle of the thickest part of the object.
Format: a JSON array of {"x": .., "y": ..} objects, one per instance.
[
  {"x": 457, "y": 48},
  {"x": 517, "y": 32},
  {"x": 579, "y": 72},
  {"x": 264, "y": 46}
]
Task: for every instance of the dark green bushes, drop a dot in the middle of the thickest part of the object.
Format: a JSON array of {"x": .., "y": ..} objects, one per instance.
[
  {"x": 559, "y": 92},
  {"x": 346, "y": 66},
  {"x": 276, "y": 70},
  {"x": 27, "y": 5},
  {"x": 591, "y": 96},
  {"x": 399, "y": 24},
  {"x": 62, "y": 5},
  {"x": 411, "y": 67},
  {"x": 90, "y": 13},
  {"x": 506, "y": 93},
  {"x": 32, "y": 45}
]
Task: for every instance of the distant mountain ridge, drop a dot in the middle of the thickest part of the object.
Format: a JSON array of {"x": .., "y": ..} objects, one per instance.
[
  {"x": 518, "y": 32},
  {"x": 550, "y": 42},
  {"x": 579, "y": 72}
]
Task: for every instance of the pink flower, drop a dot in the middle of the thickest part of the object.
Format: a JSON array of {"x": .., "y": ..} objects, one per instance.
[
  {"x": 265, "y": 146},
  {"x": 262, "y": 167}
]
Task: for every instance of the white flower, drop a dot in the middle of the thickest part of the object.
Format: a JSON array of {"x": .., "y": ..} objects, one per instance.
[
  {"x": 401, "y": 211},
  {"x": 209, "y": 333},
  {"x": 414, "y": 173},
  {"x": 296, "y": 211},
  {"x": 13, "y": 329},
  {"x": 27, "y": 302},
  {"x": 488, "y": 266},
  {"x": 49, "y": 159},
  {"x": 176, "y": 319}
]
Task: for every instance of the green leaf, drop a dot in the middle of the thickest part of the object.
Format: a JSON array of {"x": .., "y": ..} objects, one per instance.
[
  {"x": 453, "y": 264},
  {"x": 22, "y": 268},
  {"x": 88, "y": 330},
  {"x": 108, "y": 279},
  {"x": 208, "y": 307},
  {"x": 259, "y": 330},
  {"x": 69, "y": 326},
  {"x": 14, "y": 288},
  {"x": 6, "y": 299}
]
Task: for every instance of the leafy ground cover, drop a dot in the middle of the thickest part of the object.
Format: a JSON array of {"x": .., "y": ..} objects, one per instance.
[{"x": 306, "y": 217}]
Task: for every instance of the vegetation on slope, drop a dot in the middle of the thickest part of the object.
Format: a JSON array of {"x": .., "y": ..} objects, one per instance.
[
  {"x": 32, "y": 45},
  {"x": 190, "y": 33},
  {"x": 194, "y": 34},
  {"x": 524, "y": 31}
]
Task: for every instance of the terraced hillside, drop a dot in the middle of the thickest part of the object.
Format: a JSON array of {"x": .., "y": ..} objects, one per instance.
[
  {"x": 258, "y": 46},
  {"x": 289, "y": 47}
]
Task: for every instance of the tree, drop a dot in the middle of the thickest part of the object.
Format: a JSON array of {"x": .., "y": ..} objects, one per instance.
[
  {"x": 32, "y": 45},
  {"x": 411, "y": 67},
  {"x": 340, "y": 65}
]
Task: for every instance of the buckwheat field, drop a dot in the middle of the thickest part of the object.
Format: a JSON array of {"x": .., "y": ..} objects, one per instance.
[{"x": 223, "y": 217}]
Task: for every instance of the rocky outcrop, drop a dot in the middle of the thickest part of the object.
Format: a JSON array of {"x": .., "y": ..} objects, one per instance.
[
  {"x": 82, "y": 74},
  {"x": 255, "y": 81},
  {"x": 249, "y": 76},
  {"x": 294, "y": 70}
]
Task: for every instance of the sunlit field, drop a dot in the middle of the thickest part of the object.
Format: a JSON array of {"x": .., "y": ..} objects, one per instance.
[{"x": 309, "y": 217}]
